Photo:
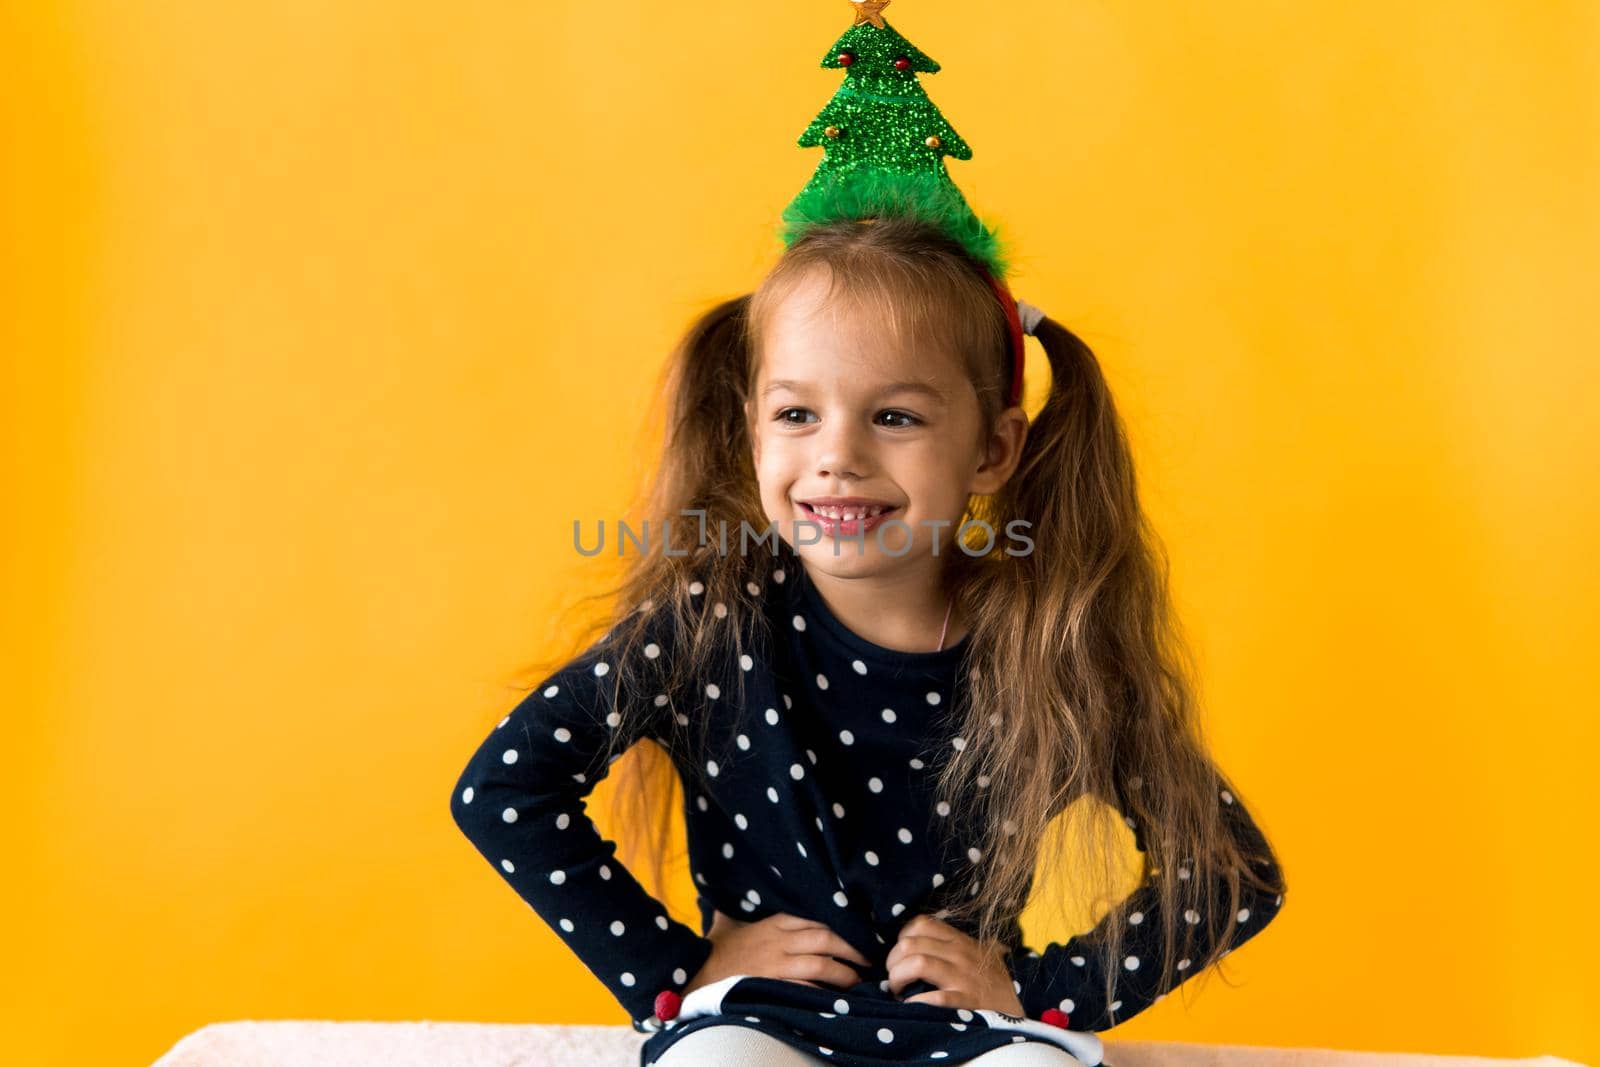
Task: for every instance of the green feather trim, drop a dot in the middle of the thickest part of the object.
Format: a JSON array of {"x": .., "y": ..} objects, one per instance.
[{"x": 871, "y": 191}]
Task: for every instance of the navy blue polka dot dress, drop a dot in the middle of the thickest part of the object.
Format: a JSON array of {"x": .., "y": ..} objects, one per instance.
[{"x": 811, "y": 797}]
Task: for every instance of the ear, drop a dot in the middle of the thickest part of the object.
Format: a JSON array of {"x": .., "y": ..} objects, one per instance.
[{"x": 1002, "y": 452}]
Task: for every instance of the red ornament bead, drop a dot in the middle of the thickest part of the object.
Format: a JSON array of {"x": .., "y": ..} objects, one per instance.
[
  {"x": 902, "y": 63},
  {"x": 1054, "y": 1016},
  {"x": 846, "y": 58},
  {"x": 667, "y": 1005}
]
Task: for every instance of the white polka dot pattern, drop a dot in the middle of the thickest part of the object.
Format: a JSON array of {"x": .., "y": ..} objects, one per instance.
[{"x": 832, "y": 748}]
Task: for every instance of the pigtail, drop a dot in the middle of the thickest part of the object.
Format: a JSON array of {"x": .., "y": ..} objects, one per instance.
[
  {"x": 1083, "y": 687},
  {"x": 696, "y": 596},
  {"x": 705, "y": 388}
]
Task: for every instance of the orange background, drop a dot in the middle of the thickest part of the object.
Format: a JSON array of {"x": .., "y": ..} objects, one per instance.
[{"x": 321, "y": 322}]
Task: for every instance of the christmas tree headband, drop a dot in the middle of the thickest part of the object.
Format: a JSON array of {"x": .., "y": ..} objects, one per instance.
[{"x": 884, "y": 144}]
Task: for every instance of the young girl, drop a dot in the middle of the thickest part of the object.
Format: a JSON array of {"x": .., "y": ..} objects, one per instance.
[
  {"x": 878, "y": 715},
  {"x": 901, "y": 646}
]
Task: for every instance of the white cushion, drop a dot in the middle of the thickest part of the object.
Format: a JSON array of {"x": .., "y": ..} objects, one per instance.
[{"x": 430, "y": 1044}]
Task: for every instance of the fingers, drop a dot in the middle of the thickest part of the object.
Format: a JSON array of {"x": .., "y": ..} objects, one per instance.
[
  {"x": 822, "y": 941},
  {"x": 935, "y": 970},
  {"x": 805, "y": 949},
  {"x": 813, "y": 969},
  {"x": 925, "y": 925},
  {"x": 816, "y": 937},
  {"x": 910, "y": 944}
]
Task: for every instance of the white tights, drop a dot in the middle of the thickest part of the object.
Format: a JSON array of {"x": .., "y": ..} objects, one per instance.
[{"x": 732, "y": 1045}]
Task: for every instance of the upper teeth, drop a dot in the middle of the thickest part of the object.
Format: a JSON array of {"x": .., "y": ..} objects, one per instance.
[{"x": 848, "y": 513}]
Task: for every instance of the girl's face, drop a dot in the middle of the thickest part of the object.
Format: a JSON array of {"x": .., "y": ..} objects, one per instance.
[{"x": 836, "y": 413}]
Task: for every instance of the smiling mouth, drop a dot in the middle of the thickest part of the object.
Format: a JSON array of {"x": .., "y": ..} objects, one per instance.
[{"x": 848, "y": 514}]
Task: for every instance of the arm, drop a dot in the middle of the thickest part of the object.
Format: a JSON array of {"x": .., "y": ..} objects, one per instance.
[
  {"x": 520, "y": 801},
  {"x": 1071, "y": 976}
]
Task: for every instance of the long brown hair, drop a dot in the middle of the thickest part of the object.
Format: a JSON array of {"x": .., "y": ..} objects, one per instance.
[{"x": 1081, "y": 684}]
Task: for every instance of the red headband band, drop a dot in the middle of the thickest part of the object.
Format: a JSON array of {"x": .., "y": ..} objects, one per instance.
[{"x": 1014, "y": 330}]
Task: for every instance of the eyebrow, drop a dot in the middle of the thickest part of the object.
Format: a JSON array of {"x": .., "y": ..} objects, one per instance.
[{"x": 922, "y": 388}]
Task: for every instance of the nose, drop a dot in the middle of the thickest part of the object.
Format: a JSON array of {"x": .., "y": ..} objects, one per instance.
[{"x": 841, "y": 452}]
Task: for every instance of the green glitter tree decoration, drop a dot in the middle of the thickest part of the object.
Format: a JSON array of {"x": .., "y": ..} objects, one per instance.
[{"x": 884, "y": 143}]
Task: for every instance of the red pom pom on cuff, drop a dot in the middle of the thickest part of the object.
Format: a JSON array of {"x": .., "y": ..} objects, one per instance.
[
  {"x": 1055, "y": 1017},
  {"x": 667, "y": 1005}
]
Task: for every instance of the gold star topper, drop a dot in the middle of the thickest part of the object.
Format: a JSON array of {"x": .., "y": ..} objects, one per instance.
[{"x": 869, "y": 11}]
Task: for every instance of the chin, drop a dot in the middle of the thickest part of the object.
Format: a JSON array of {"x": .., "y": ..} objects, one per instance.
[{"x": 850, "y": 562}]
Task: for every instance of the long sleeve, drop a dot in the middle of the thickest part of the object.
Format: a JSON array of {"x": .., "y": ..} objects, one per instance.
[
  {"x": 520, "y": 801},
  {"x": 1071, "y": 976}
]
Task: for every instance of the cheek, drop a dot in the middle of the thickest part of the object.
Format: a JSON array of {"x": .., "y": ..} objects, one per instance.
[
  {"x": 931, "y": 469},
  {"x": 775, "y": 454},
  {"x": 771, "y": 465}
]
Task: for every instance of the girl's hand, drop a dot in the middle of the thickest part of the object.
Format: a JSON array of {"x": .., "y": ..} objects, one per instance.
[
  {"x": 967, "y": 975},
  {"x": 780, "y": 946}
]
